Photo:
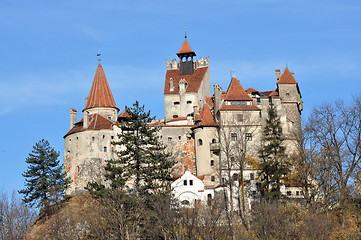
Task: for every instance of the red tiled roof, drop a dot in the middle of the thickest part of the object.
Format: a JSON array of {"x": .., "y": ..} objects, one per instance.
[
  {"x": 124, "y": 114},
  {"x": 72, "y": 109},
  {"x": 251, "y": 90},
  {"x": 266, "y": 93},
  {"x": 206, "y": 117},
  {"x": 209, "y": 101},
  {"x": 239, "y": 108},
  {"x": 100, "y": 94},
  {"x": 177, "y": 119},
  {"x": 274, "y": 93},
  {"x": 194, "y": 80},
  {"x": 287, "y": 77},
  {"x": 96, "y": 122},
  {"x": 185, "y": 48},
  {"x": 236, "y": 92}
]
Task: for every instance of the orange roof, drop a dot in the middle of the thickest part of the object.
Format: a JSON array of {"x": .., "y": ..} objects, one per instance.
[
  {"x": 124, "y": 114},
  {"x": 100, "y": 94},
  {"x": 236, "y": 92},
  {"x": 287, "y": 77},
  {"x": 209, "y": 101},
  {"x": 251, "y": 90},
  {"x": 194, "y": 81},
  {"x": 274, "y": 93},
  {"x": 177, "y": 119},
  {"x": 185, "y": 48},
  {"x": 206, "y": 118},
  {"x": 96, "y": 122},
  {"x": 252, "y": 107}
]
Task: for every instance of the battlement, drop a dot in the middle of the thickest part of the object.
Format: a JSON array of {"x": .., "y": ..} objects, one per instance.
[{"x": 201, "y": 62}]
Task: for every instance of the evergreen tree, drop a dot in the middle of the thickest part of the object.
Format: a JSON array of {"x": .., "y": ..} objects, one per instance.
[
  {"x": 141, "y": 157},
  {"x": 45, "y": 178},
  {"x": 273, "y": 166}
]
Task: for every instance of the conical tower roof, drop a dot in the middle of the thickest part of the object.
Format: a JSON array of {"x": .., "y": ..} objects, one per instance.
[
  {"x": 100, "y": 94},
  {"x": 287, "y": 77},
  {"x": 236, "y": 92},
  {"x": 186, "y": 49}
]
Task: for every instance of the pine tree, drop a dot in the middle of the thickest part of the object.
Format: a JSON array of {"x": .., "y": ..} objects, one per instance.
[
  {"x": 45, "y": 178},
  {"x": 141, "y": 157},
  {"x": 273, "y": 166}
]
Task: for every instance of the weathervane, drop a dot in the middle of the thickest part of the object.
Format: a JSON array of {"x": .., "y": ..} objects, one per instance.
[
  {"x": 185, "y": 32},
  {"x": 98, "y": 55}
]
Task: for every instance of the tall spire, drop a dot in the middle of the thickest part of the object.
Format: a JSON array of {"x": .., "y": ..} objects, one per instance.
[{"x": 100, "y": 94}]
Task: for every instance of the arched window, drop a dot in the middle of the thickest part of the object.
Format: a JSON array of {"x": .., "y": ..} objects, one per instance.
[
  {"x": 214, "y": 140},
  {"x": 212, "y": 163},
  {"x": 209, "y": 199},
  {"x": 200, "y": 142}
]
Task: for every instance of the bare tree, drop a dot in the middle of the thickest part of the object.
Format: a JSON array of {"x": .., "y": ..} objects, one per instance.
[
  {"x": 336, "y": 130},
  {"x": 238, "y": 142},
  {"x": 15, "y": 217}
]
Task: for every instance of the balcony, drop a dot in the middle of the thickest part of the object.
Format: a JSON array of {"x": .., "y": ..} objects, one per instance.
[{"x": 215, "y": 147}]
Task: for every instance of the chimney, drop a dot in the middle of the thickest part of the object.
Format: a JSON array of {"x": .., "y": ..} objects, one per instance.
[
  {"x": 278, "y": 73},
  {"x": 86, "y": 119},
  {"x": 217, "y": 98},
  {"x": 72, "y": 117},
  {"x": 195, "y": 110}
]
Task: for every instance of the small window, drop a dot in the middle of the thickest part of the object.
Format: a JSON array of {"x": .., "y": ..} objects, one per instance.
[
  {"x": 185, "y": 182},
  {"x": 93, "y": 139},
  {"x": 169, "y": 139},
  {"x": 214, "y": 140},
  {"x": 189, "y": 102},
  {"x": 191, "y": 182},
  {"x": 103, "y": 136},
  {"x": 77, "y": 169},
  {"x": 213, "y": 178},
  {"x": 176, "y": 103},
  {"x": 289, "y": 193},
  {"x": 260, "y": 114},
  {"x": 189, "y": 138},
  {"x": 77, "y": 138},
  {"x": 258, "y": 100},
  {"x": 249, "y": 136},
  {"x": 175, "y": 116},
  {"x": 240, "y": 117},
  {"x": 270, "y": 100},
  {"x": 212, "y": 163},
  {"x": 251, "y": 176},
  {"x": 234, "y": 136},
  {"x": 297, "y": 193},
  {"x": 112, "y": 137},
  {"x": 287, "y": 94},
  {"x": 109, "y": 118},
  {"x": 200, "y": 142},
  {"x": 209, "y": 199},
  {"x": 105, "y": 149},
  {"x": 235, "y": 177},
  {"x": 179, "y": 138}
]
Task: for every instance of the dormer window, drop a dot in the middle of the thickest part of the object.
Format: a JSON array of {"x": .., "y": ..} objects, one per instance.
[
  {"x": 238, "y": 103},
  {"x": 171, "y": 86}
]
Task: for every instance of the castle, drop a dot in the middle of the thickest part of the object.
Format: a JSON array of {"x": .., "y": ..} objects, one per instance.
[{"x": 207, "y": 134}]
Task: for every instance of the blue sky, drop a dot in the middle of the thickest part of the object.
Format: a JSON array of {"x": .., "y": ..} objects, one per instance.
[{"x": 48, "y": 57}]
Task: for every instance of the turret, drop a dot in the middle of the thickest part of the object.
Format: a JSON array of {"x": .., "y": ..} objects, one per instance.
[
  {"x": 186, "y": 55},
  {"x": 72, "y": 117}
]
